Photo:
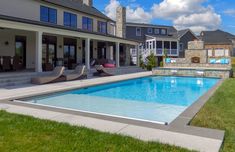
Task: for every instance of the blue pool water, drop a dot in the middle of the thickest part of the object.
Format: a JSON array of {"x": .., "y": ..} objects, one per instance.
[{"x": 156, "y": 99}]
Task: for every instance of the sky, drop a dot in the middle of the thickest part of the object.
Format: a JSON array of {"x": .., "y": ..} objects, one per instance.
[{"x": 198, "y": 15}]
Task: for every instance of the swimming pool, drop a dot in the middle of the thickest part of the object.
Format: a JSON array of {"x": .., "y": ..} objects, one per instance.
[{"x": 155, "y": 99}]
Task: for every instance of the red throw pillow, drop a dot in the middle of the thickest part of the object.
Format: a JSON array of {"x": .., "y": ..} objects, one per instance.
[{"x": 109, "y": 65}]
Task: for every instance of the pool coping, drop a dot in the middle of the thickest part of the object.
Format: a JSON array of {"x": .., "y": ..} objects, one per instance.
[{"x": 179, "y": 125}]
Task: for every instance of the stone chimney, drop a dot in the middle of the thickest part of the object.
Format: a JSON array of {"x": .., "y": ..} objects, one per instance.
[
  {"x": 121, "y": 22},
  {"x": 88, "y": 2}
]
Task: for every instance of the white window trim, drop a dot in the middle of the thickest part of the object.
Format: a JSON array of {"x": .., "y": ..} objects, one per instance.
[{"x": 136, "y": 33}]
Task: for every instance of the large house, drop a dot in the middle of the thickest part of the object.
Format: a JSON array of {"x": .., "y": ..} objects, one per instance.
[
  {"x": 160, "y": 39},
  {"x": 219, "y": 43},
  {"x": 42, "y": 34}
]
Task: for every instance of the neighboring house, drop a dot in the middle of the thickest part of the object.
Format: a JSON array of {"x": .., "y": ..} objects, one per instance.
[
  {"x": 159, "y": 38},
  {"x": 185, "y": 36},
  {"x": 48, "y": 33},
  {"x": 219, "y": 43}
]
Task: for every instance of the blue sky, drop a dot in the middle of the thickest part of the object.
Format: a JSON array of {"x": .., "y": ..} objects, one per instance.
[{"x": 195, "y": 14}]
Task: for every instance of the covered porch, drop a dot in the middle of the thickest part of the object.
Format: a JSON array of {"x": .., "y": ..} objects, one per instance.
[{"x": 37, "y": 48}]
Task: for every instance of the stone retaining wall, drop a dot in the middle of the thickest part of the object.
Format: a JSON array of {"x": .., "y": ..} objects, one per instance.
[{"x": 192, "y": 72}]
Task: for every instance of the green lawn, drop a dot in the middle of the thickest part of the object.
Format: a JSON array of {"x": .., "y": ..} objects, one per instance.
[
  {"x": 26, "y": 134},
  {"x": 219, "y": 113}
]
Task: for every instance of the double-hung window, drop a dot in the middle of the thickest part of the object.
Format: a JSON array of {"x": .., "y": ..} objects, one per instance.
[
  {"x": 87, "y": 23},
  {"x": 102, "y": 27},
  {"x": 70, "y": 20},
  {"x": 48, "y": 14}
]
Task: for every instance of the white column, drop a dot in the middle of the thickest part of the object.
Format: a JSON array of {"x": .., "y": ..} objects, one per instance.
[
  {"x": 38, "y": 60},
  {"x": 178, "y": 47},
  {"x": 138, "y": 55},
  {"x": 117, "y": 54},
  {"x": 87, "y": 53}
]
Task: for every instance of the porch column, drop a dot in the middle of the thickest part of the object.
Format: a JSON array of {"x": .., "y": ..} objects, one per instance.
[
  {"x": 87, "y": 53},
  {"x": 117, "y": 54},
  {"x": 138, "y": 55},
  {"x": 38, "y": 60}
]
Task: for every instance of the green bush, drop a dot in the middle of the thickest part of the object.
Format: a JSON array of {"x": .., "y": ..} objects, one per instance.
[
  {"x": 151, "y": 62},
  {"x": 161, "y": 64}
]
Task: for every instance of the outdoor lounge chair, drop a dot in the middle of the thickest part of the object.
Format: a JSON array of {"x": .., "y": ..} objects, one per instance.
[
  {"x": 17, "y": 63},
  {"x": 101, "y": 71},
  {"x": 55, "y": 76},
  {"x": 78, "y": 73}
]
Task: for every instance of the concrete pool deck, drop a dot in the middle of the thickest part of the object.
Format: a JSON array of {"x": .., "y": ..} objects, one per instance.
[{"x": 176, "y": 133}]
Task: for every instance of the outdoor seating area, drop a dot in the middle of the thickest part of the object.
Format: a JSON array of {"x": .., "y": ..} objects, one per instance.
[
  {"x": 8, "y": 63},
  {"x": 57, "y": 75}
]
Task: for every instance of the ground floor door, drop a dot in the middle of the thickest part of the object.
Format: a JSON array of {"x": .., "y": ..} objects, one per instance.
[
  {"x": 70, "y": 55},
  {"x": 20, "y": 51},
  {"x": 101, "y": 50},
  {"x": 49, "y": 53}
]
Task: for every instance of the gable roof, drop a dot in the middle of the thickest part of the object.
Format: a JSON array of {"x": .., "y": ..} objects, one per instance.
[
  {"x": 78, "y": 6},
  {"x": 216, "y": 37},
  {"x": 181, "y": 33}
]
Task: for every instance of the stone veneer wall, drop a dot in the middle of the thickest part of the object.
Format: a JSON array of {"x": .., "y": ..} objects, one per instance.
[
  {"x": 121, "y": 22},
  {"x": 202, "y": 54},
  {"x": 206, "y": 65},
  {"x": 192, "y": 72}
]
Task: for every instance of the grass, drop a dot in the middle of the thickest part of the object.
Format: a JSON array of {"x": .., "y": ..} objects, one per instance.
[
  {"x": 26, "y": 134},
  {"x": 219, "y": 113}
]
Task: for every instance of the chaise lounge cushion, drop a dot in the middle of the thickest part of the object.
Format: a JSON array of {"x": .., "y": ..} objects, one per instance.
[{"x": 54, "y": 76}]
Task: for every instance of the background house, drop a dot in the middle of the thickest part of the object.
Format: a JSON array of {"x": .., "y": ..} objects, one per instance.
[
  {"x": 219, "y": 42},
  {"x": 159, "y": 38}
]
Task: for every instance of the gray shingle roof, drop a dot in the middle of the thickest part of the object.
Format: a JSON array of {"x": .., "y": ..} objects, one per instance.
[
  {"x": 216, "y": 37},
  {"x": 78, "y": 6},
  {"x": 182, "y": 32}
]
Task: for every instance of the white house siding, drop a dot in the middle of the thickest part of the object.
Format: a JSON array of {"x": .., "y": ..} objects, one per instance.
[
  {"x": 30, "y": 9},
  {"x": 7, "y": 35}
]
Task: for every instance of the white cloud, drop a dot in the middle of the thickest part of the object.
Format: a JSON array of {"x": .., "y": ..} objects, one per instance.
[
  {"x": 137, "y": 14},
  {"x": 183, "y": 13},
  {"x": 188, "y": 14}
]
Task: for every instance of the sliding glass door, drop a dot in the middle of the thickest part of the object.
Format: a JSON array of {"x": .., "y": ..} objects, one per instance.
[
  {"x": 49, "y": 52},
  {"x": 70, "y": 55}
]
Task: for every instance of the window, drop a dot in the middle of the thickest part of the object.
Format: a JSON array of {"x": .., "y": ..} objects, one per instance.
[
  {"x": 48, "y": 14},
  {"x": 150, "y": 30},
  {"x": 163, "y": 31},
  {"x": 157, "y": 31},
  {"x": 138, "y": 31},
  {"x": 102, "y": 27},
  {"x": 87, "y": 23},
  {"x": 70, "y": 19}
]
